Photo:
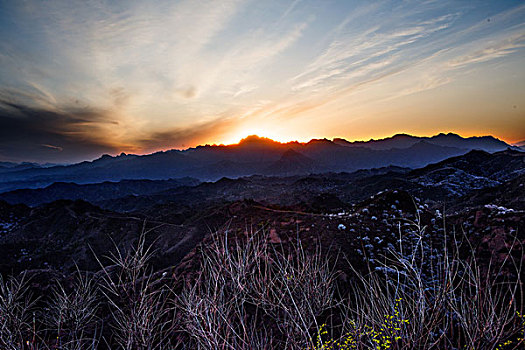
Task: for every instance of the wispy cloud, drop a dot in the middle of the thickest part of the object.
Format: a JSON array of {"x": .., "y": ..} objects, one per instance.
[
  {"x": 172, "y": 73},
  {"x": 367, "y": 51},
  {"x": 58, "y": 148},
  {"x": 182, "y": 137},
  {"x": 492, "y": 51},
  {"x": 237, "y": 69}
]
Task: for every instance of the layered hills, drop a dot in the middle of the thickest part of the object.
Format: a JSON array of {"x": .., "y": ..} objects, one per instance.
[
  {"x": 67, "y": 225},
  {"x": 253, "y": 156}
]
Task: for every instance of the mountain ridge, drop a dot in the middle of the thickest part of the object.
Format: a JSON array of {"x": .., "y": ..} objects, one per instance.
[{"x": 256, "y": 155}]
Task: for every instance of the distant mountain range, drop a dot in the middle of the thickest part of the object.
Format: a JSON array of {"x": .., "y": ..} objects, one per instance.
[
  {"x": 520, "y": 144},
  {"x": 447, "y": 180},
  {"x": 93, "y": 192},
  {"x": 253, "y": 156},
  {"x": 486, "y": 143},
  {"x": 41, "y": 229}
]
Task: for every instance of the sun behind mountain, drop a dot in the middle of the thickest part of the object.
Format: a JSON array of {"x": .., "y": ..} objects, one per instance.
[
  {"x": 262, "y": 133},
  {"x": 256, "y": 139}
]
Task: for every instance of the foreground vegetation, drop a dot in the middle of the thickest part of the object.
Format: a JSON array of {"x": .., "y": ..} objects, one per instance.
[{"x": 252, "y": 294}]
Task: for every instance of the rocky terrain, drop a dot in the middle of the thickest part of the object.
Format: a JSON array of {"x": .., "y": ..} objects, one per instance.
[
  {"x": 473, "y": 204},
  {"x": 357, "y": 212}
]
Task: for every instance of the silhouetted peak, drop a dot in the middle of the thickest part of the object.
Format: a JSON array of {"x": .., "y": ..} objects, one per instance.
[
  {"x": 290, "y": 154},
  {"x": 422, "y": 143},
  {"x": 324, "y": 141},
  {"x": 254, "y": 139},
  {"x": 62, "y": 184},
  {"x": 510, "y": 151},
  {"x": 477, "y": 152},
  {"x": 103, "y": 159},
  {"x": 403, "y": 136},
  {"x": 450, "y": 134},
  {"x": 228, "y": 181},
  {"x": 340, "y": 139}
]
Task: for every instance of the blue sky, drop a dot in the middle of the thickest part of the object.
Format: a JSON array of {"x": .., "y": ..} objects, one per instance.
[{"x": 82, "y": 78}]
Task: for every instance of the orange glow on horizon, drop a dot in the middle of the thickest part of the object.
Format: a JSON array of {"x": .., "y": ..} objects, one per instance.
[
  {"x": 261, "y": 132},
  {"x": 238, "y": 137}
]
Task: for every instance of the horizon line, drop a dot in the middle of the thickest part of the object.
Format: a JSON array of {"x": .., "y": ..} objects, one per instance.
[{"x": 259, "y": 137}]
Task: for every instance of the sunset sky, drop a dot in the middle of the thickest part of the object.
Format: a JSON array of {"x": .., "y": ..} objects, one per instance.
[{"x": 83, "y": 78}]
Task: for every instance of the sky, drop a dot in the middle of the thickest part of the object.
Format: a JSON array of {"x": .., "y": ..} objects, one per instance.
[{"x": 82, "y": 78}]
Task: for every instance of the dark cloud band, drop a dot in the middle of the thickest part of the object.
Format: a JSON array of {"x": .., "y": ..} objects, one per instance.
[{"x": 37, "y": 134}]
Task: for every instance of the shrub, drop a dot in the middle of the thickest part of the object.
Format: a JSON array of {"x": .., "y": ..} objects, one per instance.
[
  {"x": 249, "y": 293},
  {"x": 72, "y": 315},
  {"x": 246, "y": 286},
  {"x": 15, "y": 313}
]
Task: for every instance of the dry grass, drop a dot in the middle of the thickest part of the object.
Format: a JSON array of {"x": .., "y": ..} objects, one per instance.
[
  {"x": 72, "y": 315},
  {"x": 16, "y": 316},
  {"x": 253, "y": 294},
  {"x": 441, "y": 300}
]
